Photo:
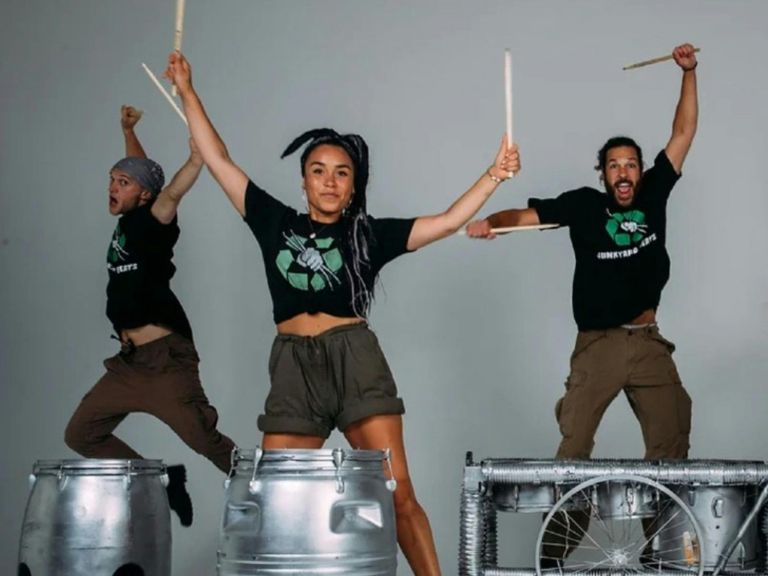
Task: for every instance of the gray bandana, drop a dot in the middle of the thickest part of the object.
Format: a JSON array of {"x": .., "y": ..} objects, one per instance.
[{"x": 146, "y": 172}]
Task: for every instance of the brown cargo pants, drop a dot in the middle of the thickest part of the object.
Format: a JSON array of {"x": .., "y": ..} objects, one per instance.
[
  {"x": 159, "y": 378},
  {"x": 637, "y": 360}
]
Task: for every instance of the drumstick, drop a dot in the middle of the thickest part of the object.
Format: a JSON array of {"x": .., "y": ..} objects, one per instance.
[
  {"x": 178, "y": 31},
  {"x": 653, "y": 61},
  {"x": 164, "y": 92},
  {"x": 508, "y": 93},
  {"x": 508, "y": 99},
  {"x": 507, "y": 229}
]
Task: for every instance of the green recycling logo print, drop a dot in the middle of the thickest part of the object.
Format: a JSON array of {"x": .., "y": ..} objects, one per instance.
[
  {"x": 309, "y": 262},
  {"x": 117, "y": 249},
  {"x": 626, "y": 228}
]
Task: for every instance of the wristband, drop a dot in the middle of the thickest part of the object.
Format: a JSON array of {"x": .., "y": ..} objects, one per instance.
[{"x": 492, "y": 177}]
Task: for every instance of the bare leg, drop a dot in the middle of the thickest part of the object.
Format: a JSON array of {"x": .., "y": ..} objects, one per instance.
[{"x": 413, "y": 531}]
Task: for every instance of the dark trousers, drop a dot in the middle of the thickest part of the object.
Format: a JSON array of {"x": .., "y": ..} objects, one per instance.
[
  {"x": 159, "y": 378},
  {"x": 637, "y": 361}
]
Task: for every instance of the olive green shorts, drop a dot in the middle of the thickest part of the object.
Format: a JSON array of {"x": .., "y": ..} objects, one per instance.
[{"x": 327, "y": 381}]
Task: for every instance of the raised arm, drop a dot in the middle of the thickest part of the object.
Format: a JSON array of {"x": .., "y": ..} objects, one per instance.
[
  {"x": 164, "y": 208},
  {"x": 687, "y": 112},
  {"x": 129, "y": 117},
  {"x": 212, "y": 149},
  {"x": 427, "y": 229}
]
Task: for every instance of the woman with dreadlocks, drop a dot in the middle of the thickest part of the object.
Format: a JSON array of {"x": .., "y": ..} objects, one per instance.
[{"x": 326, "y": 367}]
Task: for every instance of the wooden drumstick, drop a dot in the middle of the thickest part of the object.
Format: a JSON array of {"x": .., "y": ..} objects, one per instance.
[
  {"x": 507, "y": 229},
  {"x": 508, "y": 99},
  {"x": 508, "y": 94},
  {"x": 653, "y": 61},
  {"x": 178, "y": 31},
  {"x": 164, "y": 92}
]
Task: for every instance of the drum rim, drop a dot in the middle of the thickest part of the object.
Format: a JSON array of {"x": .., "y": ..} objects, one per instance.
[
  {"x": 308, "y": 455},
  {"x": 107, "y": 465}
]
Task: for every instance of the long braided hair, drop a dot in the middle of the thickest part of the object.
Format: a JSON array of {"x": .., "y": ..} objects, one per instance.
[{"x": 357, "y": 232}]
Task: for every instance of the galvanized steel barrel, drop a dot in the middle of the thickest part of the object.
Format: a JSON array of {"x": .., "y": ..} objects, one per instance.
[
  {"x": 308, "y": 512},
  {"x": 720, "y": 510},
  {"x": 96, "y": 517}
]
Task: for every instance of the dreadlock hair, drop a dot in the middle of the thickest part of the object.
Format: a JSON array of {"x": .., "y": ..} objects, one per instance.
[
  {"x": 616, "y": 142},
  {"x": 357, "y": 232}
]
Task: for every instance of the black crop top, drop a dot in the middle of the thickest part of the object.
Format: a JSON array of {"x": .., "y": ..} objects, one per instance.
[{"x": 304, "y": 260}]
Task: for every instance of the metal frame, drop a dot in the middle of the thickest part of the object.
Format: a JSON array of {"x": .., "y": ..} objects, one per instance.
[{"x": 478, "y": 540}]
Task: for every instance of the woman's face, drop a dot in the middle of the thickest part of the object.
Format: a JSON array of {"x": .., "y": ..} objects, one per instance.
[{"x": 328, "y": 182}]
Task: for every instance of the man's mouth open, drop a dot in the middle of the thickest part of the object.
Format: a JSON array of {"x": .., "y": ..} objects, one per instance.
[{"x": 624, "y": 190}]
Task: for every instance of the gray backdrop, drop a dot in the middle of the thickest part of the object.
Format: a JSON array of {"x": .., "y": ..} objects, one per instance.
[{"x": 478, "y": 334}]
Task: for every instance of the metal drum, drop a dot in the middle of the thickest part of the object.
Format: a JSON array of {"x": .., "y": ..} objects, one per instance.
[
  {"x": 533, "y": 497},
  {"x": 625, "y": 500},
  {"x": 308, "y": 512},
  {"x": 720, "y": 511},
  {"x": 96, "y": 518}
]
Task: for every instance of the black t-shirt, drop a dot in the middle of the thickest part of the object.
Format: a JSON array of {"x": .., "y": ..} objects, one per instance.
[
  {"x": 140, "y": 271},
  {"x": 304, "y": 261},
  {"x": 622, "y": 263}
]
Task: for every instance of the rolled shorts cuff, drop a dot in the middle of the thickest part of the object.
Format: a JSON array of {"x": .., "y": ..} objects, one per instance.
[
  {"x": 291, "y": 425},
  {"x": 368, "y": 408}
]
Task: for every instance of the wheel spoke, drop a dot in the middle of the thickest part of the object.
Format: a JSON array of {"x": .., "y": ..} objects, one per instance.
[{"x": 580, "y": 534}]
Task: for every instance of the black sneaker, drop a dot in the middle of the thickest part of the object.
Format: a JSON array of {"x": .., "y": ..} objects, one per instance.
[{"x": 178, "y": 497}]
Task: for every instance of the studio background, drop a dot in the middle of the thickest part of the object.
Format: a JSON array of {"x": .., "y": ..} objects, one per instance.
[{"x": 478, "y": 334}]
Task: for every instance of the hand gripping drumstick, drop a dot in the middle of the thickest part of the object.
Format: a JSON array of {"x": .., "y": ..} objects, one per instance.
[
  {"x": 178, "y": 31},
  {"x": 164, "y": 93},
  {"x": 653, "y": 61}
]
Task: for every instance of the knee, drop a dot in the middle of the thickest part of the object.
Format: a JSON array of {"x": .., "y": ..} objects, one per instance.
[
  {"x": 76, "y": 437},
  {"x": 200, "y": 437},
  {"x": 405, "y": 499}
]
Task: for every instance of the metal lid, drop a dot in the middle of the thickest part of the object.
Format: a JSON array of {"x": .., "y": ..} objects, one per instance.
[
  {"x": 94, "y": 466},
  {"x": 298, "y": 458}
]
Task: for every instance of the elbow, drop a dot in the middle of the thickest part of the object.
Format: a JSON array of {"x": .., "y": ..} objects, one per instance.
[
  {"x": 685, "y": 128},
  {"x": 221, "y": 154},
  {"x": 448, "y": 225},
  {"x": 450, "y": 229}
]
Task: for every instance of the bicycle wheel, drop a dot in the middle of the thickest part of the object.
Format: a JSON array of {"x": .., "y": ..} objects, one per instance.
[{"x": 619, "y": 525}]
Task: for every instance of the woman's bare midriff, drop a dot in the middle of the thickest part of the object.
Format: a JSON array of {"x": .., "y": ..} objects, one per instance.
[
  {"x": 305, "y": 324},
  {"x": 144, "y": 334}
]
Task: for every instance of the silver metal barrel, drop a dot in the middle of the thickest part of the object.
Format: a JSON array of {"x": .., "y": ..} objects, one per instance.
[
  {"x": 721, "y": 510},
  {"x": 96, "y": 517},
  {"x": 309, "y": 512}
]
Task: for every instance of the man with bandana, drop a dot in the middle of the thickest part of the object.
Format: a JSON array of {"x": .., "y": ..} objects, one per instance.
[
  {"x": 622, "y": 265},
  {"x": 156, "y": 370}
]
